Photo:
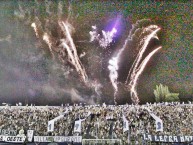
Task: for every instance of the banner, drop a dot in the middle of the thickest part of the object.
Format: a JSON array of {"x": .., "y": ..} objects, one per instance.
[
  {"x": 76, "y": 139},
  {"x": 166, "y": 138},
  {"x": 101, "y": 141},
  {"x": 125, "y": 124},
  {"x": 50, "y": 126},
  {"x": 77, "y": 126},
  {"x": 13, "y": 139},
  {"x": 51, "y": 122},
  {"x": 158, "y": 122},
  {"x": 30, "y": 135},
  {"x": 8, "y": 132}
]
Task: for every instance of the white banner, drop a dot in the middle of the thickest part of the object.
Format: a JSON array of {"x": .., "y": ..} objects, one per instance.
[
  {"x": 14, "y": 139},
  {"x": 166, "y": 138},
  {"x": 8, "y": 132},
  {"x": 50, "y": 125},
  {"x": 125, "y": 124},
  {"x": 77, "y": 139},
  {"x": 30, "y": 135},
  {"x": 158, "y": 122},
  {"x": 51, "y": 122},
  {"x": 77, "y": 126},
  {"x": 159, "y": 125}
]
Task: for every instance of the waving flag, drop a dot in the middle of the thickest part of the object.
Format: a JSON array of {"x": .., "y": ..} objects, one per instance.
[
  {"x": 158, "y": 122},
  {"x": 51, "y": 122},
  {"x": 77, "y": 124}
]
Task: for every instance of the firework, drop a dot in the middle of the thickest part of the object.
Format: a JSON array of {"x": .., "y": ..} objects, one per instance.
[
  {"x": 46, "y": 38},
  {"x": 33, "y": 25},
  {"x": 133, "y": 82},
  {"x": 72, "y": 52},
  {"x": 138, "y": 66},
  {"x": 105, "y": 40}
]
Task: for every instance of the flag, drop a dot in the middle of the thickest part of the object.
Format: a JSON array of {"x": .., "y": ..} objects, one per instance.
[
  {"x": 30, "y": 135},
  {"x": 51, "y": 125},
  {"x": 51, "y": 122},
  {"x": 125, "y": 124},
  {"x": 57, "y": 118},
  {"x": 77, "y": 126},
  {"x": 158, "y": 122}
]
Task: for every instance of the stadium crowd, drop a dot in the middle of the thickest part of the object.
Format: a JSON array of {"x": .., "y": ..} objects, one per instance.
[{"x": 103, "y": 121}]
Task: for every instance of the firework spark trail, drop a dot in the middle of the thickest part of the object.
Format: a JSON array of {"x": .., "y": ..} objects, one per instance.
[
  {"x": 138, "y": 67},
  {"x": 133, "y": 82},
  {"x": 33, "y": 25},
  {"x": 133, "y": 69},
  {"x": 46, "y": 38},
  {"x": 113, "y": 66},
  {"x": 72, "y": 52}
]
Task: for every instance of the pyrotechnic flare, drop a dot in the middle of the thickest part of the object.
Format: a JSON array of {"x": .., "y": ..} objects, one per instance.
[
  {"x": 71, "y": 50},
  {"x": 137, "y": 67},
  {"x": 113, "y": 67},
  {"x": 145, "y": 42},
  {"x": 33, "y": 25},
  {"x": 133, "y": 82},
  {"x": 46, "y": 38}
]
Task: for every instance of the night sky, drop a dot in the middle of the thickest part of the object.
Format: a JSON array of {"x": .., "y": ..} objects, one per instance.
[{"x": 28, "y": 74}]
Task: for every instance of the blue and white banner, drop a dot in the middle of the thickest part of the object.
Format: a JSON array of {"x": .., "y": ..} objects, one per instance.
[
  {"x": 125, "y": 124},
  {"x": 13, "y": 139},
  {"x": 77, "y": 126},
  {"x": 50, "y": 126},
  {"x": 76, "y": 139},
  {"x": 30, "y": 134},
  {"x": 158, "y": 122},
  {"x": 167, "y": 138},
  {"x": 51, "y": 122}
]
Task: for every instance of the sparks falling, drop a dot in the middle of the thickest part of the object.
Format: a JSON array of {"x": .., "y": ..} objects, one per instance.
[
  {"x": 144, "y": 42},
  {"x": 105, "y": 40},
  {"x": 46, "y": 38},
  {"x": 113, "y": 68},
  {"x": 71, "y": 50},
  {"x": 137, "y": 67},
  {"x": 138, "y": 72},
  {"x": 33, "y": 25},
  {"x": 62, "y": 47}
]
